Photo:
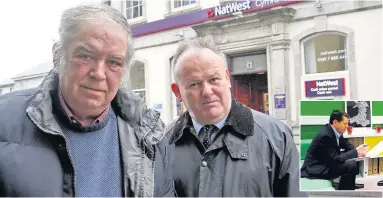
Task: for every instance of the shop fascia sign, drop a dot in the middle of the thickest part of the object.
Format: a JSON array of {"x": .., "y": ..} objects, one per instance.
[
  {"x": 326, "y": 87},
  {"x": 238, "y": 6},
  {"x": 228, "y": 8}
]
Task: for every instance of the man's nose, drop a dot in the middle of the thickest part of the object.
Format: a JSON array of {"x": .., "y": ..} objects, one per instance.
[
  {"x": 98, "y": 70},
  {"x": 206, "y": 89}
]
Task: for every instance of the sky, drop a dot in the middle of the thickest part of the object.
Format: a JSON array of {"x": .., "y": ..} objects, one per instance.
[{"x": 28, "y": 28}]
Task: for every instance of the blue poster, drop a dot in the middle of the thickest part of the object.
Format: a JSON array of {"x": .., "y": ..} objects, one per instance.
[{"x": 280, "y": 101}]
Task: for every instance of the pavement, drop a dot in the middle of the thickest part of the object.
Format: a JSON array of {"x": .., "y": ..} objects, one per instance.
[
  {"x": 346, "y": 194},
  {"x": 371, "y": 189},
  {"x": 370, "y": 183}
]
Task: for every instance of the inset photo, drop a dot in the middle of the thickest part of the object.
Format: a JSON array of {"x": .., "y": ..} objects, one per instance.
[{"x": 341, "y": 145}]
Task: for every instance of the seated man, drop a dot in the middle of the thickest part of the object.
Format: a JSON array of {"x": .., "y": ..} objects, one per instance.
[{"x": 324, "y": 159}]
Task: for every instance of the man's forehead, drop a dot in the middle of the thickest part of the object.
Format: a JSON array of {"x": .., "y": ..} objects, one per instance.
[
  {"x": 106, "y": 31},
  {"x": 202, "y": 56}
]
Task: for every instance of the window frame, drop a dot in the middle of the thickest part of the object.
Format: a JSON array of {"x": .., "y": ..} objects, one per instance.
[
  {"x": 145, "y": 90},
  {"x": 303, "y": 58},
  {"x": 181, "y": 8},
  {"x": 135, "y": 20}
]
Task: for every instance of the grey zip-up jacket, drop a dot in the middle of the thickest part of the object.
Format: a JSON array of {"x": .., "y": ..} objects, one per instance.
[
  {"x": 34, "y": 160},
  {"x": 253, "y": 155}
]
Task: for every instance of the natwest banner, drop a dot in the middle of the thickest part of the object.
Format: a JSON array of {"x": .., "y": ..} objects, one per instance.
[
  {"x": 326, "y": 87},
  {"x": 239, "y": 6},
  {"x": 228, "y": 8}
]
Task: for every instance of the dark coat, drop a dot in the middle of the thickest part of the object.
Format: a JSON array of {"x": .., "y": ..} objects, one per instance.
[
  {"x": 33, "y": 155},
  {"x": 252, "y": 155},
  {"x": 324, "y": 156}
]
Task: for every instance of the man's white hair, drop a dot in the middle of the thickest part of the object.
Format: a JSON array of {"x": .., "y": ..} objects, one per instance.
[
  {"x": 195, "y": 43},
  {"x": 71, "y": 21}
]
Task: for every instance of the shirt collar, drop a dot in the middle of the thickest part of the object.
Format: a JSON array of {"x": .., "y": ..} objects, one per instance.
[
  {"x": 73, "y": 119},
  {"x": 197, "y": 126},
  {"x": 337, "y": 134}
]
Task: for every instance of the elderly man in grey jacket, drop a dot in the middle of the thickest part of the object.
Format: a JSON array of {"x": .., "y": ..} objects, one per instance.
[
  {"x": 223, "y": 148},
  {"x": 79, "y": 134}
]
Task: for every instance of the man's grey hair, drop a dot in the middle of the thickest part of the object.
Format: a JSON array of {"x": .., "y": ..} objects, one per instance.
[
  {"x": 195, "y": 43},
  {"x": 71, "y": 21}
]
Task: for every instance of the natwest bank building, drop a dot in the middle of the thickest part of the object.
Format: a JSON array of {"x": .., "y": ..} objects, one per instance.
[{"x": 278, "y": 52}]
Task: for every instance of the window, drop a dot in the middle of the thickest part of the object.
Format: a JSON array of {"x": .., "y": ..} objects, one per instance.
[
  {"x": 137, "y": 79},
  {"x": 182, "y": 4},
  {"x": 325, "y": 53},
  {"x": 134, "y": 9}
]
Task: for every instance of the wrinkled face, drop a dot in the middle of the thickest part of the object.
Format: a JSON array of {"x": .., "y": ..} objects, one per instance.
[
  {"x": 95, "y": 64},
  {"x": 203, "y": 84},
  {"x": 341, "y": 126}
]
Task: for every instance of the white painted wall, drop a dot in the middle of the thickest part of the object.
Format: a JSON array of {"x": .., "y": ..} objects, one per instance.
[
  {"x": 157, "y": 76},
  {"x": 294, "y": 29},
  {"x": 367, "y": 26},
  {"x": 5, "y": 90}
]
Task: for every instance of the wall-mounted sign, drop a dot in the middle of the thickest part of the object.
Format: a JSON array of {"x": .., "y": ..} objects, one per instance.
[
  {"x": 327, "y": 87},
  {"x": 279, "y": 101},
  {"x": 249, "y": 65},
  {"x": 158, "y": 107},
  {"x": 228, "y": 8}
]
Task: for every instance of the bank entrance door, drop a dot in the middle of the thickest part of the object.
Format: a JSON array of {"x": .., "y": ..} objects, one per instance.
[
  {"x": 249, "y": 80},
  {"x": 251, "y": 90}
]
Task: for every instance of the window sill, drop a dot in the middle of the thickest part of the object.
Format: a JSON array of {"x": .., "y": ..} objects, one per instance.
[
  {"x": 136, "y": 21},
  {"x": 183, "y": 11}
]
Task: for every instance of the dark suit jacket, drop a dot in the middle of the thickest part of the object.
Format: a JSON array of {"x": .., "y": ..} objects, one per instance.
[{"x": 324, "y": 157}]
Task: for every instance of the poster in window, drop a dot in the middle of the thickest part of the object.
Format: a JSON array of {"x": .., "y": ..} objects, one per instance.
[
  {"x": 360, "y": 113},
  {"x": 266, "y": 103}
]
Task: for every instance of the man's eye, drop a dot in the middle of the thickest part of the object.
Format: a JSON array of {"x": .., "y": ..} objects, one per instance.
[
  {"x": 215, "y": 80},
  {"x": 84, "y": 57},
  {"x": 114, "y": 63},
  {"x": 193, "y": 85}
]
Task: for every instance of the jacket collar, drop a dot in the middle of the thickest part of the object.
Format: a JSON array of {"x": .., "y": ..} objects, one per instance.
[
  {"x": 240, "y": 119},
  {"x": 126, "y": 105}
]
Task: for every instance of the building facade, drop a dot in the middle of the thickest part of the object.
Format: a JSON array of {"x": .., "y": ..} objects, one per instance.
[
  {"x": 278, "y": 52},
  {"x": 30, "y": 78}
]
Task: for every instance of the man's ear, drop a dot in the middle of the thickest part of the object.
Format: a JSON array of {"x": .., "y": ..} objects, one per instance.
[
  {"x": 176, "y": 91},
  {"x": 228, "y": 77}
]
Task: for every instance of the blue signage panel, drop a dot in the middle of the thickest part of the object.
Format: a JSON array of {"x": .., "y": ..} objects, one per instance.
[
  {"x": 326, "y": 87},
  {"x": 280, "y": 101}
]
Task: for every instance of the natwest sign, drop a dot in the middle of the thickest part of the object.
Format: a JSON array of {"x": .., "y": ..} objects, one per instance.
[
  {"x": 327, "y": 87},
  {"x": 228, "y": 8}
]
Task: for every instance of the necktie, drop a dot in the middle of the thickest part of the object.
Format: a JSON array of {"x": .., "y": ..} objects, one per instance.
[{"x": 205, "y": 134}]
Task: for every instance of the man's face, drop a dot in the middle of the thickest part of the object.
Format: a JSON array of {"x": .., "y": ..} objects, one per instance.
[
  {"x": 341, "y": 126},
  {"x": 95, "y": 64},
  {"x": 203, "y": 85}
]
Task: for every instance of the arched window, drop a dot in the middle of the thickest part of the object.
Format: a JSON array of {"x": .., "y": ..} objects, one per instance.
[
  {"x": 137, "y": 79},
  {"x": 325, "y": 52}
]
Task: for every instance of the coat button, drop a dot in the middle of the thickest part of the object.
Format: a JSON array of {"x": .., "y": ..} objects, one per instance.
[{"x": 204, "y": 163}]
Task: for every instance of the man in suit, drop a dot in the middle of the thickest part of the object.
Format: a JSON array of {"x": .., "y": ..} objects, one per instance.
[{"x": 324, "y": 159}]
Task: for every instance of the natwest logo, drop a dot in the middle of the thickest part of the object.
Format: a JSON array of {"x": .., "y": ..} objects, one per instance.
[
  {"x": 327, "y": 83},
  {"x": 228, "y": 8}
]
